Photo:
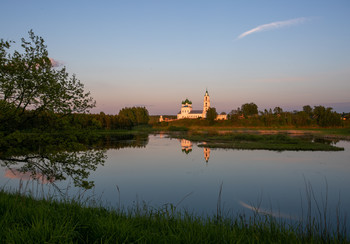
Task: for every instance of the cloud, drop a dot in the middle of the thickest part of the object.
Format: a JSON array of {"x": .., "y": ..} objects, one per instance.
[
  {"x": 266, "y": 211},
  {"x": 273, "y": 25},
  {"x": 16, "y": 174},
  {"x": 55, "y": 63}
]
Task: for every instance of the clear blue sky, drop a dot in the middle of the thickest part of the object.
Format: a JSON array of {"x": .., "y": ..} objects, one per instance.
[{"x": 157, "y": 53}]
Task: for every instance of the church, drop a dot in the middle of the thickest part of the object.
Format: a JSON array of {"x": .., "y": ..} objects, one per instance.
[{"x": 186, "y": 111}]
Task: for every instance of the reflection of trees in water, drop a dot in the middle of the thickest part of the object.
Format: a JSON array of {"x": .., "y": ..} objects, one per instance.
[
  {"x": 121, "y": 141},
  {"x": 317, "y": 139},
  {"x": 62, "y": 159},
  {"x": 55, "y": 166}
]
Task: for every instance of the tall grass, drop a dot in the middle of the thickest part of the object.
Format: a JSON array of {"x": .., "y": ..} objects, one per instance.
[{"x": 24, "y": 219}]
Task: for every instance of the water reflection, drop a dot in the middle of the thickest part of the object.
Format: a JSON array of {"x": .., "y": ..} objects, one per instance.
[
  {"x": 206, "y": 153},
  {"x": 119, "y": 141},
  {"x": 186, "y": 147},
  {"x": 260, "y": 181},
  {"x": 75, "y": 159},
  {"x": 26, "y": 176},
  {"x": 50, "y": 167}
]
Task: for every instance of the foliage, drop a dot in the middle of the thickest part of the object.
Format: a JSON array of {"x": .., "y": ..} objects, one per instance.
[
  {"x": 136, "y": 115},
  {"x": 249, "y": 109},
  {"x": 326, "y": 117},
  {"x": 211, "y": 115},
  {"x": 29, "y": 81},
  {"x": 277, "y": 110},
  {"x": 307, "y": 109},
  {"x": 319, "y": 116}
]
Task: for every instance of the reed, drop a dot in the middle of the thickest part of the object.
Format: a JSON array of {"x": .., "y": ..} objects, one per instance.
[{"x": 24, "y": 219}]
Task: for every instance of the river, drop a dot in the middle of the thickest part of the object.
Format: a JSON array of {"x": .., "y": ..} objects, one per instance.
[{"x": 162, "y": 171}]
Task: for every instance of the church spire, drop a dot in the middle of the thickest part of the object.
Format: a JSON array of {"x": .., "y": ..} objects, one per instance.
[{"x": 206, "y": 103}]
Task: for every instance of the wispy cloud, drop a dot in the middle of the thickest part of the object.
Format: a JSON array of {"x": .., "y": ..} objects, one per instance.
[{"x": 273, "y": 25}]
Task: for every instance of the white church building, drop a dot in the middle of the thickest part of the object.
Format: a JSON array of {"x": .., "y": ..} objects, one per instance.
[{"x": 187, "y": 112}]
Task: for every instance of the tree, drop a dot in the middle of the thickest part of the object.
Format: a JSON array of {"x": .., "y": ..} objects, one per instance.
[
  {"x": 307, "y": 109},
  {"x": 29, "y": 81},
  {"x": 249, "y": 109},
  {"x": 326, "y": 117},
  {"x": 211, "y": 115},
  {"x": 278, "y": 110},
  {"x": 137, "y": 115}
]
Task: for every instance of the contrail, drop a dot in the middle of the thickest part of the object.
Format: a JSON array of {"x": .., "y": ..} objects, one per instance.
[{"x": 273, "y": 25}]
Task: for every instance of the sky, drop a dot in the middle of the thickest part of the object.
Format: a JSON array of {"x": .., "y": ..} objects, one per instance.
[{"x": 157, "y": 53}]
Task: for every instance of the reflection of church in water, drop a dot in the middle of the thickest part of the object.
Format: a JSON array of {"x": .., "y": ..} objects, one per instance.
[{"x": 186, "y": 147}]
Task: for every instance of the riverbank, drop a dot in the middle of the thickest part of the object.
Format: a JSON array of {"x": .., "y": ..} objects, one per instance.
[
  {"x": 26, "y": 220},
  {"x": 250, "y": 138},
  {"x": 341, "y": 133},
  {"x": 214, "y": 137},
  {"x": 278, "y": 142}
]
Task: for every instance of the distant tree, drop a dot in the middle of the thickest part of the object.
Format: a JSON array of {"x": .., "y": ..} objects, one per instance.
[
  {"x": 137, "y": 115},
  {"x": 235, "y": 111},
  {"x": 128, "y": 113},
  {"x": 307, "y": 109},
  {"x": 211, "y": 115},
  {"x": 234, "y": 115},
  {"x": 277, "y": 110},
  {"x": 326, "y": 117},
  {"x": 249, "y": 109},
  {"x": 142, "y": 115}
]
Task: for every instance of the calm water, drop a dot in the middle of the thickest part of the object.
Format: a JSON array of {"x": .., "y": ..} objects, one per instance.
[{"x": 174, "y": 171}]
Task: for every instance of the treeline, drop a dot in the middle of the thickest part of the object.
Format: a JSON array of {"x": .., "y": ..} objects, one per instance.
[
  {"x": 126, "y": 119},
  {"x": 248, "y": 115},
  {"x": 49, "y": 121}
]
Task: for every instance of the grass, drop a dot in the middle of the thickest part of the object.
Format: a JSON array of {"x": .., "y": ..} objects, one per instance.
[
  {"x": 277, "y": 142},
  {"x": 177, "y": 128},
  {"x": 26, "y": 220}
]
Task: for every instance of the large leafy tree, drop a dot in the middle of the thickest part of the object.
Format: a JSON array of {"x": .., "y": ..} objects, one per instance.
[
  {"x": 211, "y": 115},
  {"x": 137, "y": 115},
  {"x": 326, "y": 117},
  {"x": 249, "y": 109},
  {"x": 30, "y": 82},
  {"x": 307, "y": 109}
]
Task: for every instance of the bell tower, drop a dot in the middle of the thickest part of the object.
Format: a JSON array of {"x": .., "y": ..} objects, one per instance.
[{"x": 206, "y": 104}]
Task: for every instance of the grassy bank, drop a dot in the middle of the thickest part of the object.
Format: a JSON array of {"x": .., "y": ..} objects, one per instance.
[
  {"x": 278, "y": 142},
  {"x": 340, "y": 132},
  {"x": 248, "y": 138},
  {"x": 26, "y": 220}
]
